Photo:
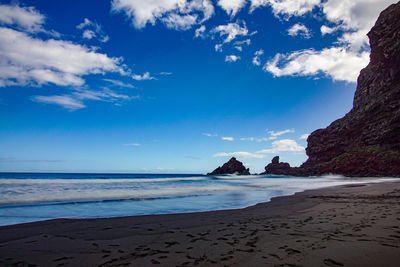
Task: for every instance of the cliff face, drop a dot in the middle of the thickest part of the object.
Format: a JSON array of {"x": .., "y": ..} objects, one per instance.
[
  {"x": 231, "y": 167},
  {"x": 366, "y": 141}
]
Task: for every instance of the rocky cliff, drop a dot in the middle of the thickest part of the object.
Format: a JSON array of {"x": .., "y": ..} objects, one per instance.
[
  {"x": 231, "y": 167},
  {"x": 366, "y": 141}
]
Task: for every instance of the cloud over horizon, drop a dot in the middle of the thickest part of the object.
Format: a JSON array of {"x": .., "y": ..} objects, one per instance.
[
  {"x": 284, "y": 145},
  {"x": 245, "y": 155}
]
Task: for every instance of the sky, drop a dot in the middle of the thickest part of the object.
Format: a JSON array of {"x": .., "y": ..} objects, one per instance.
[{"x": 174, "y": 86}]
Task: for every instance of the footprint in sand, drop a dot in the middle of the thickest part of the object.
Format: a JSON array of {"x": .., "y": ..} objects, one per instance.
[
  {"x": 246, "y": 250},
  {"x": 291, "y": 251},
  {"x": 226, "y": 258},
  {"x": 331, "y": 262},
  {"x": 170, "y": 244},
  {"x": 63, "y": 258},
  {"x": 275, "y": 256}
]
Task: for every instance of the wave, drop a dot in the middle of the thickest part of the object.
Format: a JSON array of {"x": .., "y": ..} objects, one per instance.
[
  {"x": 234, "y": 176},
  {"x": 91, "y": 201},
  {"x": 60, "y": 195},
  {"x": 17, "y": 191},
  {"x": 95, "y": 181}
]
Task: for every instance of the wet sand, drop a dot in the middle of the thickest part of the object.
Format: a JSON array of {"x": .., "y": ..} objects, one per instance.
[{"x": 353, "y": 225}]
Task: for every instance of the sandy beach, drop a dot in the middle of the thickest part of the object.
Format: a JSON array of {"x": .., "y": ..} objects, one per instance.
[{"x": 350, "y": 225}]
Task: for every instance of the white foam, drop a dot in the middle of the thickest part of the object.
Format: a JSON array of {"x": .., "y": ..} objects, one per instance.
[
  {"x": 94, "y": 181},
  {"x": 235, "y": 176},
  {"x": 15, "y": 191},
  {"x": 57, "y": 194}
]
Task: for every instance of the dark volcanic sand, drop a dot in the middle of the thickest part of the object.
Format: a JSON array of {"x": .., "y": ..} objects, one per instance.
[{"x": 339, "y": 226}]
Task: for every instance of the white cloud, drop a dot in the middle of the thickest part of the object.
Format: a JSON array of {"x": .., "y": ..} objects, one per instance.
[
  {"x": 119, "y": 83},
  {"x": 231, "y": 58},
  {"x": 299, "y": 29},
  {"x": 86, "y": 23},
  {"x": 75, "y": 100},
  {"x": 227, "y": 138},
  {"x": 336, "y": 62},
  {"x": 355, "y": 16},
  {"x": 88, "y": 34},
  {"x": 256, "y": 59},
  {"x": 180, "y": 22},
  {"x": 91, "y": 30},
  {"x": 284, "y": 145},
  {"x": 246, "y": 42},
  {"x": 66, "y": 101},
  {"x": 177, "y": 14},
  {"x": 246, "y": 155},
  {"x": 104, "y": 95},
  {"x": 30, "y": 59},
  {"x": 327, "y": 30},
  {"x": 218, "y": 47},
  {"x": 276, "y": 134},
  {"x": 261, "y": 139},
  {"x": 350, "y": 54},
  {"x": 231, "y": 30},
  {"x": 25, "y": 59},
  {"x": 209, "y": 135},
  {"x": 247, "y": 139},
  {"x": 26, "y": 18},
  {"x": 133, "y": 144},
  {"x": 145, "y": 76},
  {"x": 304, "y": 136},
  {"x": 200, "y": 31},
  {"x": 231, "y": 7},
  {"x": 286, "y": 7},
  {"x": 238, "y": 44},
  {"x": 204, "y": 6}
]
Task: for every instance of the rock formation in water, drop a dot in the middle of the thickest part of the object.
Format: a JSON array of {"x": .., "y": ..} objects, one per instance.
[
  {"x": 233, "y": 166},
  {"x": 366, "y": 141},
  {"x": 276, "y": 167}
]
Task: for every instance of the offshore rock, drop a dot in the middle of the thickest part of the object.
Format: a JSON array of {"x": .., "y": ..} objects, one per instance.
[
  {"x": 233, "y": 166},
  {"x": 366, "y": 141},
  {"x": 283, "y": 168},
  {"x": 276, "y": 167}
]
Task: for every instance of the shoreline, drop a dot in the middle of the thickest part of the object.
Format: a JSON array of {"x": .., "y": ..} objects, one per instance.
[
  {"x": 287, "y": 194},
  {"x": 316, "y": 227},
  {"x": 189, "y": 208}
]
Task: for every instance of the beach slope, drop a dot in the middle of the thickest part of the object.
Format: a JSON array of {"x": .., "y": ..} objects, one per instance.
[{"x": 351, "y": 225}]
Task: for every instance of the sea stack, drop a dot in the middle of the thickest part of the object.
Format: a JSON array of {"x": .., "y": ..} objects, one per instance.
[
  {"x": 366, "y": 141},
  {"x": 233, "y": 166},
  {"x": 276, "y": 167}
]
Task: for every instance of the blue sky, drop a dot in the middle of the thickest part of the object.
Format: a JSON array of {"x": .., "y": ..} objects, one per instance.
[{"x": 174, "y": 85}]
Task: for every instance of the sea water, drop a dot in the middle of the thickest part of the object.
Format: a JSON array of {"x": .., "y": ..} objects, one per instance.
[{"x": 27, "y": 197}]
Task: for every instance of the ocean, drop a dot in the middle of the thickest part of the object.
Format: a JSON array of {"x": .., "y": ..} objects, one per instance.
[{"x": 28, "y": 197}]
